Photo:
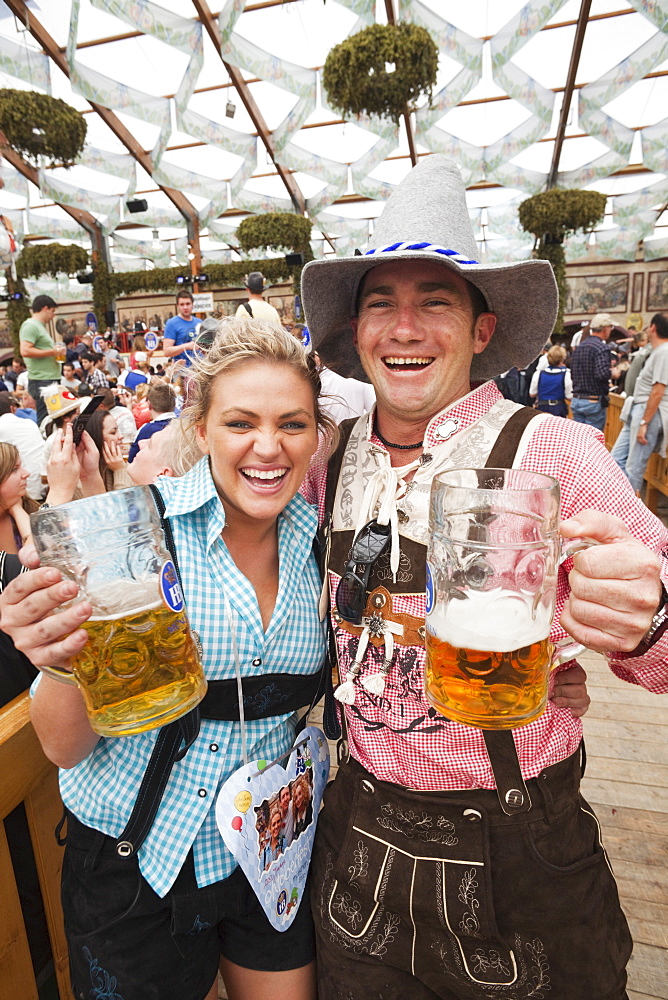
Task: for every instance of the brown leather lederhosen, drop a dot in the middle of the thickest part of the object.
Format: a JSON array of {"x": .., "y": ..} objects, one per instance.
[{"x": 470, "y": 894}]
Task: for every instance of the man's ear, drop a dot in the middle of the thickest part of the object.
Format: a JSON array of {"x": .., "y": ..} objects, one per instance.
[{"x": 483, "y": 331}]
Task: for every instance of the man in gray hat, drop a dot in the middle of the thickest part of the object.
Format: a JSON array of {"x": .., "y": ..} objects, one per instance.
[
  {"x": 590, "y": 371},
  {"x": 256, "y": 307},
  {"x": 450, "y": 861}
]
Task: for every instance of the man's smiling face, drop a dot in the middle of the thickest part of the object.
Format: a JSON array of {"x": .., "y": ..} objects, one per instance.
[{"x": 416, "y": 336}]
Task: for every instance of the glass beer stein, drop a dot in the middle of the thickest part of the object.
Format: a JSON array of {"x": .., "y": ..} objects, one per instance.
[
  {"x": 494, "y": 551},
  {"x": 140, "y": 667}
]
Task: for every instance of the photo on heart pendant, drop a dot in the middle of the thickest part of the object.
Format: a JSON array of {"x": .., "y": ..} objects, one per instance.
[{"x": 282, "y": 818}]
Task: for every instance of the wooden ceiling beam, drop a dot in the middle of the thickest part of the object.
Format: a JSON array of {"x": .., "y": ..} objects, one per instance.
[
  {"x": 211, "y": 26},
  {"x": 568, "y": 91}
]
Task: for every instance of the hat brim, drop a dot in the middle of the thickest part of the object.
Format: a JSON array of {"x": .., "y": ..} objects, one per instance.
[
  {"x": 50, "y": 417},
  {"x": 522, "y": 294}
]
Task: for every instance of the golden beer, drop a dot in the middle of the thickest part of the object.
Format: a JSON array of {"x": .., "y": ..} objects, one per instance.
[
  {"x": 488, "y": 689},
  {"x": 139, "y": 670}
]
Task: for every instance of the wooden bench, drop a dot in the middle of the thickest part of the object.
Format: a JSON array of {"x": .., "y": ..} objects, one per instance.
[
  {"x": 656, "y": 473},
  {"x": 28, "y": 777}
]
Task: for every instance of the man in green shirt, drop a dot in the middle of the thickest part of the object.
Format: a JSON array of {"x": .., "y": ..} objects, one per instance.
[{"x": 39, "y": 351}]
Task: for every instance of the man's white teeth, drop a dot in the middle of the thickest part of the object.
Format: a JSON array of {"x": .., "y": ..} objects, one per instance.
[
  {"x": 408, "y": 361},
  {"x": 264, "y": 473}
]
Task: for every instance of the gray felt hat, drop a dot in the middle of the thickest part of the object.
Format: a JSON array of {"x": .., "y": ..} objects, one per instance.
[{"x": 427, "y": 217}]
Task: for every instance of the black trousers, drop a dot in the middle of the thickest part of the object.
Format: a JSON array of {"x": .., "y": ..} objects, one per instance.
[{"x": 425, "y": 895}]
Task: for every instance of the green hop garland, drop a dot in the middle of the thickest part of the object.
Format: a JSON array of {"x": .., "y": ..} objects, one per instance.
[
  {"x": 51, "y": 259},
  {"x": 275, "y": 230},
  {"x": 38, "y": 125},
  {"x": 357, "y": 82},
  {"x": 551, "y": 217}
]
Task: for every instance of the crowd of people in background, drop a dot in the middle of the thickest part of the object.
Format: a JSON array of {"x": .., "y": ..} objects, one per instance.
[{"x": 50, "y": 383}]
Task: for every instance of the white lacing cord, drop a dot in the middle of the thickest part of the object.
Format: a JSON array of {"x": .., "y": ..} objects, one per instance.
[{"x": 381, "y": 491}]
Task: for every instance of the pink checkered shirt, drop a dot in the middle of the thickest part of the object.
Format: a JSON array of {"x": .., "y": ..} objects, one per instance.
[{"x": 400, "y": 738}]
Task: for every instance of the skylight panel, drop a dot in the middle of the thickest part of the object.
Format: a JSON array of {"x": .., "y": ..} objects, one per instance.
[
  {"x": 147, "y": 64},
  {"x": 607, "y": 43},
  {"x": 477, "y": 17},
  {"x": 483, "y": 124},
  {"x": 301, "y": 33},
  {"x": 345, "y": 143},
  {"x": 274, "y": 102},
  {"x": 642, "y": 104}
]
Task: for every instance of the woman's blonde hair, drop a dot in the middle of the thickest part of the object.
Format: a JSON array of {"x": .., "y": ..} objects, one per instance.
[
  {"x": 238, "y": 342},
  {"x": 556, "y": 355},
  {"x": 9, "y": 456},
  {"x": 141, "y": 391}
]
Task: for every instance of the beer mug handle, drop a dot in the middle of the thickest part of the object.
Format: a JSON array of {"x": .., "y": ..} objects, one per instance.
[
  {"x": 58, "y": 674},
  {"x": 568, "y": 649},
  {"x": 569, "y": 546}
]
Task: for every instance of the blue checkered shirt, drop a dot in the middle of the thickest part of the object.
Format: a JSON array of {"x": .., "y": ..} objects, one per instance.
[
  {"x": 102, "y": 789},
  {"x": 590, "y": 368}
]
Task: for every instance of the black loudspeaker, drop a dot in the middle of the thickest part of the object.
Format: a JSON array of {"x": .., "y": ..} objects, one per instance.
[
  {"x": 85, "y": 279},
  {"x": 110, "y": 317},
  {"x": 137, "y": 205},
  {"x": 294, "y": 259}
]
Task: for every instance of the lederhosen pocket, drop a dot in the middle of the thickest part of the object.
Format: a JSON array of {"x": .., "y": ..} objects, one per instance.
[{"x": 410, "y": 883}]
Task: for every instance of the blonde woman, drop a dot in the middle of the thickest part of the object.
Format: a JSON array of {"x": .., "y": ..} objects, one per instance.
[{"x": 159, "y": 922}]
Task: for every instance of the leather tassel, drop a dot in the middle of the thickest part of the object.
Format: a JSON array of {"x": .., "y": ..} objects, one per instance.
[
  {"x": 375, "y": 683},
  {"x": 345, "y": 693}
]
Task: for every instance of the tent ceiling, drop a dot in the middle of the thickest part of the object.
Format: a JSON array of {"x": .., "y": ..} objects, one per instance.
[{"x": 155, "y": 80}]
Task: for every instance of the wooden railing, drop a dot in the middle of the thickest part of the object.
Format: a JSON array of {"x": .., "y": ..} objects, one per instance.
[
  {"x": 27, "y": 776},
  {"x": 613, "y": 424},
  {"x": 656, "y": 473}
]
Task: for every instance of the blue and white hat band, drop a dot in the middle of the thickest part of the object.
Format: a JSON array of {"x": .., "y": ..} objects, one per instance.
[{"x": 459, "y": 258}]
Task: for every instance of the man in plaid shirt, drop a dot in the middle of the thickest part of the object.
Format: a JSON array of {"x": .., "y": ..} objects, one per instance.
[
  {"x": 590, "y": 370},
  {"x": 92, "y": 364},
  {"x": 452, "y": 862}
]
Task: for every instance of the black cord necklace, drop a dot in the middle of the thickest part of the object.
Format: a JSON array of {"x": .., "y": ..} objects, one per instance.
[{"x": 388, "y": 444}]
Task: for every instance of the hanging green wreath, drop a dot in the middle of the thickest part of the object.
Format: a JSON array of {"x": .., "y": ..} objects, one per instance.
[
  {"x": 38, "y": 125},
  {"x": 275, "y": 230},
  {"x": 51, "y": 259},
  {"x": 358, "y": 75},
  {"x": 551, "y": 217}
]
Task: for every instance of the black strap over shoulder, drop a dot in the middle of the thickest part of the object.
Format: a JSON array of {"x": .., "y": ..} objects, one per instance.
[
  {"x": 330, "y": 717},
  {"x": 510, "y": 787}
]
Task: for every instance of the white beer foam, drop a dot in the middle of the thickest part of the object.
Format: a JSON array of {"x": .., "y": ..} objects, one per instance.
[
  {"x": 122, "y": 597},
  {"x": 496, "y": 620},
  {"x": 125, "y": 614}
]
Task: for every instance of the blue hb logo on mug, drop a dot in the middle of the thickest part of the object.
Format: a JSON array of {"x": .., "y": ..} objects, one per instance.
[
  {"x": 430, "y": 590},
  {"x": 170, "y": 587}
]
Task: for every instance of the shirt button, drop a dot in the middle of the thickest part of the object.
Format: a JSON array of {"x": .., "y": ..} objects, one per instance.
[
  {"x": 213, "y": 747},
  {"x": 257, "y": 662},
  {"x": 202, "y": 793}
]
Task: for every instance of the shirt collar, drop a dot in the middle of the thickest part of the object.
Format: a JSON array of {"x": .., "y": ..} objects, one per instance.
[
  {"x": 451, "y": 419},
  {"x": 190, "y": 492}
]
